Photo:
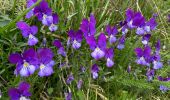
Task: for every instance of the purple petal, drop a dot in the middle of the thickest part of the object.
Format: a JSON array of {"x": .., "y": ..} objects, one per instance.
[
  {"x": 24, "y": 86},
  {"x": 157, "y": 65},
  {"x": 92, "y": 25},
  {"x": 24, "y": 27},
  {"x": 85, "y": 27},
  {"x": 139, "y": 52},
  {"x": 30, "y": 56},
  {"x": 53, "y": 28},
  {"x": 57, "y": 43},
  {"x": 160, "y": 78},
  {"x": 163, "y": 88},
  {"x": 70, "y": 78},
  {"x": 55, "y": 19},
  {"x": 76, "y": 44},
  {"x": 109, "y": 53},
  {"x": 14, "y": 94},
  {"x": 138, "y": 20},
  {"x": 79, "y": 36},
  {"x": 147, "y": 52},
  {"x": 61, "y": 51},
  {"x": 47, "y": 20},
  {"x": 45, "y": 70},
  {"x": 45, "y": 55},
  {"x": 152, "y": 23},
  {"x": 140, "y": 31},
  {"x": 109, "y": 63},
  {"x": 102, "y": 41},
  {"x": 108, "y": 30},
  {"x": 79, "y": 84},
  {"x": 129, "y": 14},
  {"x": 24, "y": 72},
  {"x": 146, "y": 39},
  {"x": 97, "y": 53},
  {"x": 15, "y": 58},
  {"x": 141, "y": 61},
  {"x": 150, "y": 74},
  {"x": 29, "y": 14},
  {"x": 158, "y": 45},
  {"x": 68, "y": 96},
  {"x": 94, "y": 71},
  {"x": 120, "y": 46},
  {"x": 112, "y": 39},
  {"x": 32, "y": 40},
  {"x": 71, "y": 34},
  {"x": 114, "y": 30},
  {"x": 91, "y": 42}
]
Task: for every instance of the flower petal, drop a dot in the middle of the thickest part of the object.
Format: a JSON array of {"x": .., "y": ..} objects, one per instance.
[
  {"x": 102, "y": 41},
  {"x": 15, "y": 58}
]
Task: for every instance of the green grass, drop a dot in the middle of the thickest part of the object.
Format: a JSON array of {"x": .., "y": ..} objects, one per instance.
[{"x": 114, "y": 83}]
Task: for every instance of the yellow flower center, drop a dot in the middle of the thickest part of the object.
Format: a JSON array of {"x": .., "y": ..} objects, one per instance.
[
  {"x": 26, "y": 64},
  {"x": 42, "y": 66}
]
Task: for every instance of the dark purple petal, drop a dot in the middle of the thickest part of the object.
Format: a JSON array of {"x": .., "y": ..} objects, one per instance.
[
  {"x": 152, "y": 23},
  {"x": 139, "y": 52},
  {"x": 15, "y": 58},
  {"x": 158, "y": 45},
  {"x": 55, "y": 19},
  {"x": 146, "y": 38},
  {"x": 71, "y": 34},
  {"x": 79, "y": 36},
  {"x": 102, "y": 41},
  {"x": 94, "y": 71},
  {"x": 57, "y": 43},
  {"x": 30, "y": 56},
  {"x": 114, "y": 30},
  {"x": 138, "y": 20},
  {"x": 147, "y": 52},
  {"x": 91, "y": 42},
  {"x": 129, "y": 14},
  {"x": 85, "y": 27},
  {"x": 14, "y": 94},
  {"x": 92, "y": 24},
  {"x": 109, "y": 53},
  {"x": 68, "y": 96},
  {"x": 160, "y": 78},
  {"x": 24, "y": 89},
  {"x": 24, "y": 27},
  {"x": 45, "y": 55},
  {"x": 108, "y": 30}
]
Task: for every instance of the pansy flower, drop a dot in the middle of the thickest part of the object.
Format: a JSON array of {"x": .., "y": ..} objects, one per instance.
[
  {"x": 29, "y": 4},
  {"x": 146, "y": 38},
  {"x": 157, "y": 64},
  {"x": 28, "y": 32},
  {"x": 46, "y": 62},
  {"x": 68, "y": 96},
  {"x": 143, "y": 55},
  {"x": 75, "y": 38},
  {"x": 121, "y": 43},
  {"x": 42, "y": 10},
  {"x": 60, "y": 47},
  {"x": 79, "y": 84},
  {"x": 150, "y": 25},
  {"x": 26, "y": 63},
  {"x": 94, "y": 71},
  {"x": 150, "y": 74},
  {"x": 164, "y": 88},
  {"x": 98, "y": 48},
  {"x": 111, "y": 33},
  {"x": 88, "y": 27},
  {"x": 51, "y": 21},
  {"x": 109, "y": 54},
  {"x": 160, "y": 78},
  {"x": 70, "y": 78},
  {"x": 20, "y": 93}
]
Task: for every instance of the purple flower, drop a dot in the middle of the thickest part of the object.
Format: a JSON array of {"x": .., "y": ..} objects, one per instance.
[
  {"x": 94, "y": 71},
  {"x": 75, "y": 38},
  {"x": 109, "y": 54},
  {"x": 60, "y": 47},
  {"x": 20, "y": 93},
  {"x": 143, "y": 55},
  {"x": 150, "y": 74},
  {"x": 42, "y": 10},
  {"x": 156, "y": 57},
  {"x": 98, "y": 48},
  {"x": 29, "y": 4},
  {"x": 121, "y": 43},
  {"x": 79, "y": 84},
  {"x": 111, "y": 33},
  {"x": 146, "y": 39},
  {"x": 28, "y": 32},
  {"x": 160, "y": 78},
  {"x": 45, "y": 62},
  {"x": 68, "y": 96},
  {"x": 88, "y": 27},
  {"x": 150, "y": 25},
  {"x": 163, "y": 88},
  {"x": 51, "y": 21},
  {"x": 26, "y": 63},
  {"x": 70, "y": 78}
]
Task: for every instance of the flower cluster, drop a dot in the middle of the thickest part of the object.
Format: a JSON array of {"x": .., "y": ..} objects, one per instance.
[{"x": 41, "y": 60}]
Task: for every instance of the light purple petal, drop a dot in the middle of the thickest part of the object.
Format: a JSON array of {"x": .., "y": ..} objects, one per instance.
[
  {"x": 61, "y": 51},
  {"x": 53, "y": 28},
  {"x": 112, "y": 39},
  {"x": 32, "y": 40},
  {"x": 97, "y": 53},
  {"x": 140, "y": 31},
  {"x": 76, "y": 44},
  {"x": 109, "y": 63},
  {"x": 157, "y": 65}
]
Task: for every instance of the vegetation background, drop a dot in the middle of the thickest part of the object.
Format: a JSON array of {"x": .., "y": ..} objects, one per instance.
[{"x": 114, "y": 83}]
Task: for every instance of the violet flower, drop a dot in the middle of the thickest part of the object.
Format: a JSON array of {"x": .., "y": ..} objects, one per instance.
[
  {"x": 60, "y": 47},
  {"x": 109, "y": 54},
  {"x": 160, "y": 78},
  {"x": 29, "y": 4},
  {"x": 45, "y": 62},
  {"x": 75, "y": 38},
  {"x": 150, "y": 74},
  {"x": 164, "y": 88},
  {"x": 26, "y": 63},
  {"x": 88, "y": 27},
  {"x": 98, "y": 48},
  {"x": 146, "y": 38},
  {"x": 68, "y": 96},
  {"x": 79, "y": 84},
  {"x": 143, "y": 55},
  {"x": 42, "y": 10},
  {"x": 121, "y": 43},
  {"x": 111, "y": 33},
  {"x": 28, "y": 32},
  {"x": 20, "y": 93},
  {"x": 150, "y": 25},
  {"x": 70, "y": 78},
  {"x": 94, "y": 71},
  {"x": 157, "y": 64}
]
